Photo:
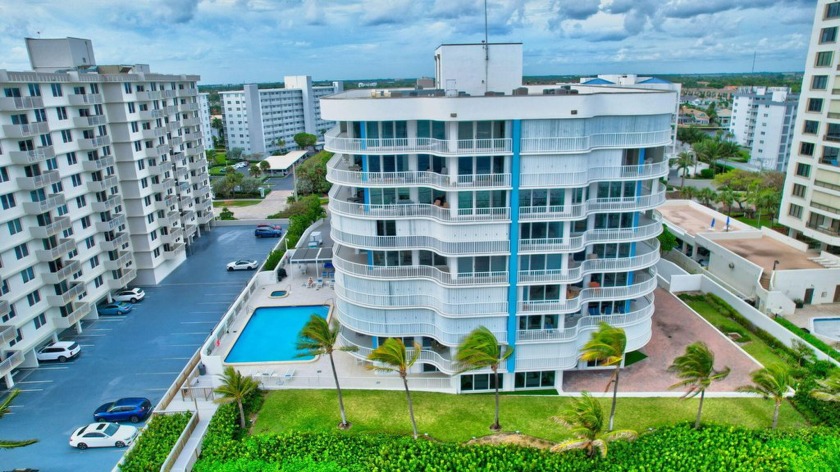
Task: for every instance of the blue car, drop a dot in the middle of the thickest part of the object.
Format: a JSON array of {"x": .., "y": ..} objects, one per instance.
[
  {"x": 115, "y": 308},
  {"x": 268, "y": 232},
  {"x": 134, "y": 409}
]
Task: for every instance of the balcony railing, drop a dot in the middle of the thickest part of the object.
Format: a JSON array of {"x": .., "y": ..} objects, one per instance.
[
  {"x": 596, "y": 141},
  {"x": 443, "y": 277},
  {"x": 639, "y": 315},
  {"x": 11, "y": 361},
  {"x": 119, "y": 262},
  {"x": 648, "y": 257},
  {"x": 103, "y": 184},
  {"x": 112, "y": 224},
  {"x": 574, "y": 243},
  {"x": 186, "y": 107},
  {"x": 20, "y": 103},
  {"x": 80, "y": 310},
  {"x": 583, "y": 177},
  {"x": 205, "y": 217},
  {"x": 149, "y": 95},
  {"x": 98, "y": 164},
  {"x": 64, "y": 246},
  {"x": 70, "y": 268},
  {"x": 108, "y": 204},
  {"x": 197, "y": 164},
  {"x": 646, "y": 284},
  {"x": 153, "y": 133},
  {"x": 191, "y": 121},
  {"x": 148, "y": 115},
  {"x": 49, "y": 203},
  {"x": 174, "y": 251},
  {"x": 578, "y": 210},
  {"x": 93, "y": 144},
  {"x": 32, "y": 157},
  {"x": 419, "y": 242},
  {"x": 69, "y": 296},
  {"x": 58, "y": 225},
  {"x": 163, "y": 186},
  {"x": 89, "y": 121},
  {"x": 341, "y": 172},
  {"x": 442, "y": 360},
  {"x": 116, "y": 243},
  {"x": 422, "y": 301},
  {"x": 123, "y": 281},
  {"x": 7, "y": 332},
  {"x": 173, "y": 236},
  {"x": 26, "y": 131},
  {"x": 194, "y": 151},
  {"x": 341, "y": 144},
  {"x": 85, "y": 99},
  {"x": 39, "y": 181}
]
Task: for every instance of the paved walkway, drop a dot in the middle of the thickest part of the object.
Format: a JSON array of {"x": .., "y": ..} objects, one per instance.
[
  {"x": 273, "y": 203},
  {"x": 675, "y": 326}
]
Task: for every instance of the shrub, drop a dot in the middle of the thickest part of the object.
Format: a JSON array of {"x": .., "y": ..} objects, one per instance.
[
  {"x": 226, "y": 214},
  {"x": 707, "y": 174},
  {"x": 156, "y": 442},
  {"x": 813, "y": 340},
  {"x": 273, "y": 259}
]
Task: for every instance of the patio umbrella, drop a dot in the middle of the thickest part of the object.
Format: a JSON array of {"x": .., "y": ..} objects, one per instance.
[
  {"x": 727, "y": 223},
  {"x": 713, "y": 224}
]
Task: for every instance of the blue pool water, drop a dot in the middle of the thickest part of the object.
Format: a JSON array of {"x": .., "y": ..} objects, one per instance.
[
  {"x": 829, "y": 327},
  {"x": 271, "y": 333}
]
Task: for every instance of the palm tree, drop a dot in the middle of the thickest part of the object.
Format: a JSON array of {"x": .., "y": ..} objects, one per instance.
[
  {"x": 696, "y": 368},
  {"x": 773, "y": 381},
  {"x": 393, "y": 357},
  {"x": 586, "y": 420},
  {"x": 4, "y": 408},
  {"x": 235, "y": 388},
  {"x": 607, "y": 347},
  {"x": 316, "y": 338},
  {"x": 688, "y": 193},
  {"x": 480, "y": 350},
  {"x": 254, "y": 170},
  {"x": 684, "y": 161},
  {"x": 707, "y": 196},
  {"x": 829, "y": 388},
  {"x": 264, "y": 167},
  {"x": 726, "y": 197}
]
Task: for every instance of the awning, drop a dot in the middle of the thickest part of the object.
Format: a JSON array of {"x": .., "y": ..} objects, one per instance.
[{"x": 312, "y": 255}]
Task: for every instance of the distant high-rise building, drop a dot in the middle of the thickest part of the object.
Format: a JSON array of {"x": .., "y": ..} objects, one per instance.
[
  {"x": 527, "y": 210},
  {"x": 260, "y": 120},
  {"x": 763, "y": 120},
  {"x": 811, "y": 199},
  {"x": 103, "y": 181},
  {"x": 204, "y": 115}
]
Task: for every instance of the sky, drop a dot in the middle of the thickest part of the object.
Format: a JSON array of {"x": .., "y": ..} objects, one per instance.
[{"x": 247, "y": 41}]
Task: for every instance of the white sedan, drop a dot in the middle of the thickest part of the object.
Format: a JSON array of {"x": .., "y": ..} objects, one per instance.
[
  {"x": 103, "y": 435},
  {"x": 242, "y": 264},
  {"x": 132, "y": 295}
]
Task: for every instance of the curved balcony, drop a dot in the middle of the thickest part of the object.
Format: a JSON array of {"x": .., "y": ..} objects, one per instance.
[
  {"x": 568, "y": 144},
  {"x": 647, "y": 256},
  {"x": 645, "y": 284},
  {"x": 391, "y": 323},
  {"x": 353, "y": 264},
  {"x": 340, "y": 205},
  {"x": 419, "y": 242},
  {"x": 430, "y": 302},
  {"x": 641, "y": 311},
  {"x": 647, "y": 230},
  {"x": 340, "y": 143},
  {"x": 364, "y": 345},
  {"x": 339, "y": 171},
  {"x": 579, "y": 210},
  {"x": 583, "y": 177}
]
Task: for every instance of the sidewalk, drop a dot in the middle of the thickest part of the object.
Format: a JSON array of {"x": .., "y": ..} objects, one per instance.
[{"x": 273, "y": 203}]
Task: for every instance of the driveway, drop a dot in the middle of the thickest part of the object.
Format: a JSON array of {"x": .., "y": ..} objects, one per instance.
[
  {"x": 136, "y": 355},
  {"x": 675, "y": 326}
]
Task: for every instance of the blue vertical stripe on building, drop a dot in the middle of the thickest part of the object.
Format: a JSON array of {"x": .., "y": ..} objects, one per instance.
[
  {"x": 636, "y": 215},
  {"x": 513, "y": 265},
  {"x": 366, "y": 190}
]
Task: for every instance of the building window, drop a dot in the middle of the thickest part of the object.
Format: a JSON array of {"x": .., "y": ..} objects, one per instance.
[
  {"x": 832, "y": 10},
  {"x": 8, "y": 201},
  {"x": 828, "y": 35},
  {"x": 543, "y": 379},
  {"x": 810, "y": 127},
  {"x": 27, "y": 274},
  {"x": 85, "y": 222},
  {"x": 14, "y": 226},
  {"x": 819, "y": 82},
  {"x": 127, "y": 87},
  {"x": 90, "y": 241},
  {"x": 35, "y": 90},
  {"x": 61, "y": 113},
  {"x": 94, "y": 261},
  {"x": 21, "y": 251},
  {"x": 815, "y": 104},
  {"x": 81, "y": 201},
  {"x": 33, "y": 298},
  {"x": 98, "y": 281},
  {"x": 66, "y": 135},
  {"x": 76, "y": 179},
  {"x": 472, "y": 382},
  {"x": 156, "y": 252},
  {"x": 823, "y": 59},
  {"x": 4, "y": 175},
  {"x": 56, "y": 90},
  {"x": 798, "y": 190},
  {"x": 795, "y": 211},
  {"x": 71, "y": 159},
  {"x": 803, "y": 170},
  {"x": 40, "y": 320},
  {"x": 131, "y": 108}
]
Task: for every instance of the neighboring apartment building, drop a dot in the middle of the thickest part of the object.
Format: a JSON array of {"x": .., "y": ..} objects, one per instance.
[
  {"x": 528, "y": 210},
  {"x": 763, "y": 120},
  {"x": 103, "y": 182},
  {"x": 811, "y": 199},
  {"x": 207, "y": 131},
  {"x": 256, "y": 120}
]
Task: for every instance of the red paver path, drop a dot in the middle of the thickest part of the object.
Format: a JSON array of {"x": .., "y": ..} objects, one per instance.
[{"x": 675, "y": 326}]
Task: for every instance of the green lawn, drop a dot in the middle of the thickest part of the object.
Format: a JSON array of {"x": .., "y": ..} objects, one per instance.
[
  {"x": 460, "y": 417},
  {"x": 235, "y": 203},
  {"x": 765, "y": 221},
  {"x": 755, "y": 347}
]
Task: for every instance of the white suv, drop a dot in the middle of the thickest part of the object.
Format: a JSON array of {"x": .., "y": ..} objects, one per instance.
[{"x": 60, "y": 351}]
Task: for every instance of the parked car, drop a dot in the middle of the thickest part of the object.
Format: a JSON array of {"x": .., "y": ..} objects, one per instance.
[
  {"x": 242, "y": 264},
  {"x": 115, "y": 308},
  {"x": 103, "y": 435},
  {"x": 134, "y": 409},
  {"x": 59, "y": 351},
  {"x": 266, "y": 225},
  {"x": 267, "y": 232},
  {"x": 132, "y": 295}
]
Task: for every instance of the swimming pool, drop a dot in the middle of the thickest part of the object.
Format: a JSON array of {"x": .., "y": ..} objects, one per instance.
[
  {"x": 271, "y": 333},
  {"x": 828, "y": 327}
]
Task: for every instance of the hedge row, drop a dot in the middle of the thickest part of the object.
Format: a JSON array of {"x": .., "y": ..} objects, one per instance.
[
  {"x": 813, "y": 340},
  {"x": 156, "y": 442}
]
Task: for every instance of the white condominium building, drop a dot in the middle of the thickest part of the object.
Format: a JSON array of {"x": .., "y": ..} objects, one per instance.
[
  {"x": 763, "y": 120},
  {"x": 103, "y": 182},
  {"x": 258, "y": 120},
  {"x": 811, "y": 198},
  {"x": 204, "y": 115},
  {"x": 528, "y": 210}
]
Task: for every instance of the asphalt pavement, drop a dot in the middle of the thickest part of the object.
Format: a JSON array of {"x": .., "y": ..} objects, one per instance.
[{"x": 139, "y": 354}]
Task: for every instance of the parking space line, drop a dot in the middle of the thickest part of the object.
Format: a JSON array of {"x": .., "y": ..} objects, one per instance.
[
  {"x": 170, "y": 358},
  {"x": 87, "y": 345},
  {"x": 47, "y": 368},
  {"x": 156, "y": 389},
  {"x": 184, "y": 345},
  {"x": 34, "y": 381},
  {"x": 31, "y": 390},
  {"x": 157, "y": 373},
  {"x": 90, "y": 335},
  {"x": 199, "y": 322},
  {"x": 213, "y": 303},
  {"x": 199, "y": 332},
  {"x": 202, "y": 312}
]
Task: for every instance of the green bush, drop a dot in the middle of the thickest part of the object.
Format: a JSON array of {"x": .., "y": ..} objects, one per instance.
[
  {"x": 707, "y": 174},
  {"x": 156, "y": 442},
  {"x": 226, "y": 214},
  {"x": 273, "y": 259},
  {"x": 810, "y": 338}
]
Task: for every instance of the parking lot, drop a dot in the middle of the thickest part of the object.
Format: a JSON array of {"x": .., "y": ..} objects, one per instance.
[{"x": 138, "y": 354}]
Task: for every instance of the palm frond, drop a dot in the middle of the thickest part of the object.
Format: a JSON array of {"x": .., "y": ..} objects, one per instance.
[
  {"x": 480, "y": 349},
  {"x": 4, "y": 407},
  {"x": 606, "y": 346},
  {"x": 601, "y": 446},
  {"x": 569, "y": 445},
  {"x": 621, "y": 435},
  {"x": 829, "y": 388},
  {"x": 6, "y": 444}
]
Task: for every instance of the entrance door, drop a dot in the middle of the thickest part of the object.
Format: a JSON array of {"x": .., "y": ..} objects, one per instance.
[
  {"x": 837, "y": 294},
  {"x": 809, "y": 295}
]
